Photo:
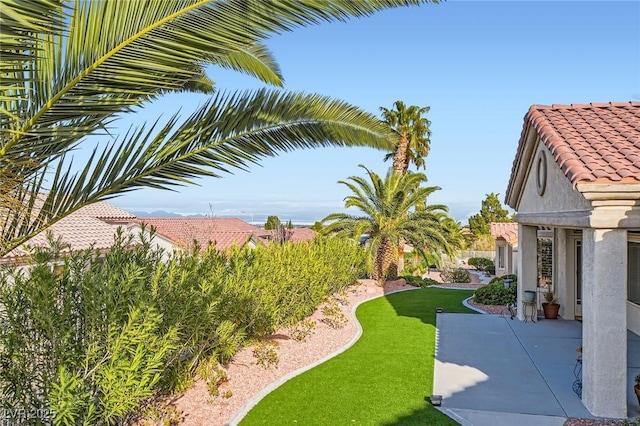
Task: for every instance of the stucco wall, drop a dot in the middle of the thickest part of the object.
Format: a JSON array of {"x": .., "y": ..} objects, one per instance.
[{"x": 559, "y": 196}]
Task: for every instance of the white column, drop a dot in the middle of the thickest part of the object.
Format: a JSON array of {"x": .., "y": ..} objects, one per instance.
[
  {"x": 527, "y": 263},
  {"x": 564, "y": 291},
  {"x": 604, "y": 322}
]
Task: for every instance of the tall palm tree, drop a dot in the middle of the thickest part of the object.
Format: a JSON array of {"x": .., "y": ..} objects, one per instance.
[
  {"x": 389, "y": 213},
  {"x": 69, "y": 69},
  {"x": 412, "y": 143},
  {"x": 412, "y": 130}
]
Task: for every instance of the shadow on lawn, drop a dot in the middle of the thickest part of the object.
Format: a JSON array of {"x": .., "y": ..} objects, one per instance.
[
  {"x": 423, "y": 303},
  {"x": 418, "y": 417}
]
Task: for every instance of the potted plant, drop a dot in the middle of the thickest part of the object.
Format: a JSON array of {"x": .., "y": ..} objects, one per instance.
[
  {"x": 636, "y": 387},
  {"x": 551, "y": 305}
]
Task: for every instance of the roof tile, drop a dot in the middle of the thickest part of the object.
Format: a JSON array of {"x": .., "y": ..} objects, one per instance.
[
  {"x": 89, "y": 227},
  {"x": 505, "y": 230},
  {"x": 591, "y": 142},
  {"x": 222, "y": 232}
]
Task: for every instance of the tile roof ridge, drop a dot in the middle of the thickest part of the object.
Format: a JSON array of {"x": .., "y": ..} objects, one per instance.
[{"x": 585, "y": 106}]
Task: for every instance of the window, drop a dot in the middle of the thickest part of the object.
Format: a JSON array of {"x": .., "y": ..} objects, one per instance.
[
  {"x": 501, "y": 257},
  {"x": 633, "y": 272}
]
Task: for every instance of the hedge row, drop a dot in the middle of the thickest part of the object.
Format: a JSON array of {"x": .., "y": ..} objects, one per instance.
[{"x": 92, "y": 341}]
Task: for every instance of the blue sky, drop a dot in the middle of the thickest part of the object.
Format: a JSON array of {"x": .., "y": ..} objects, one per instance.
[{"x": 479, "y": 65}]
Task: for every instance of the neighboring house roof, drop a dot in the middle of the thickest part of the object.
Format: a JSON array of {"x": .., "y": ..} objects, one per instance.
[
  {"x": 302, "y": 234},
  {"x": 596, "y": 143},
  {"x": 106, "y": 211},
  {"x": 223, "y": 232},
  {"x": 297, "y": 234},
  {"x": 82, "y": 229},
  {"x": 508, "y": 231}
]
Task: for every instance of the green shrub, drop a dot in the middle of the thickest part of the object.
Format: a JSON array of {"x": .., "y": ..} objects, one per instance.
[
  {"x": 418, "y": 281},
  {"x": 426, "y": 282},
  {"x": 482, "y": 264},
  {"x": 265, "y": 354},
  {"x": 495, "y": 294},
  {"x": 333, "y": 315},
  {"x": 301, "y": 331},
  {"x": 413, "y": 280},
  {"x": 455, "y": 275},
  {"x": 501, "y": 279},
  {"x": 95, "y": 341}
]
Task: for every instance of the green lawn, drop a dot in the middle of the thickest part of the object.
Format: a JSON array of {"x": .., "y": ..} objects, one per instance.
[{"x": 381, "y": 380}]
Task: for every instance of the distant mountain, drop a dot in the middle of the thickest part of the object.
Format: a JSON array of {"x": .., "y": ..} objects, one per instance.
[{"x": 162, "y": 213}]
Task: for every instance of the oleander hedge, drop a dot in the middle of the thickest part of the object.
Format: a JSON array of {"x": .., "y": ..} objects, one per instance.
[{"x": 93, "y": 340}]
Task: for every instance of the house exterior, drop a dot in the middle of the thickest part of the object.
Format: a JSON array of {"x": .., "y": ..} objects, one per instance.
[
  {"x": 576, "y": 182},
  {"x": 222, "y": 233},
  {"x": 93, "y": 226},
  {"x": 506, "y": 236}
]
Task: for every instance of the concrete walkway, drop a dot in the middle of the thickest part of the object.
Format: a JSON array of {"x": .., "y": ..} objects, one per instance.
[{"x": 492, "y": 370}]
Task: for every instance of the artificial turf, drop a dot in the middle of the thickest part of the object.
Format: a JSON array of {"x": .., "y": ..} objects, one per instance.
[{"x": 381, "y": 380}]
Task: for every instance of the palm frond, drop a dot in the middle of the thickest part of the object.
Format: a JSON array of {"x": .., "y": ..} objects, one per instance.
[
  {"x": 68, "y": 67},
  {"x": 231, "y": 131}
]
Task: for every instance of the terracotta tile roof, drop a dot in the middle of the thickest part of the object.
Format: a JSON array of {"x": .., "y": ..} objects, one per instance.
[
  {"x": 223, "y": 232},
  {"x": 104, "y": 210},
  {"x": 302, "y": 234},
  {"x": 597, "y": 142},
  {"x": 81, "y": 229},
  {"x": 508, "y": 231},
  {"x": 297, "y": 234}
]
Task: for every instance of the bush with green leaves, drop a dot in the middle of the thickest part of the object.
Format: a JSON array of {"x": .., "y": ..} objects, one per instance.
[
  {"x": 93, "y": 341},
  {"x": 482, "y": 264},
  {"x": 500, "y": 279},
  {"x": 419, "y": 281},
  {"x": 455, "y": 275},
  {"x": 495, "y": 292}
]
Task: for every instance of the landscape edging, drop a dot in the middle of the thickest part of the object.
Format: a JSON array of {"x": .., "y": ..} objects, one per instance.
[{"x": 251, "y": 402}]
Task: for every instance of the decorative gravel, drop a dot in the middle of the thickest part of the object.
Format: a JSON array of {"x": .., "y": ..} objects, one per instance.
[{"x": 246, "y": 378}]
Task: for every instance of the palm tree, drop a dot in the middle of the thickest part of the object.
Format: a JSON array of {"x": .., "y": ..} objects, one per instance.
[
  {"x": 69, "y": 69},
  {"x": 412, "y": 130},
  {"x": 413, "y": 134},
  {"x": 390, "y": 214}
]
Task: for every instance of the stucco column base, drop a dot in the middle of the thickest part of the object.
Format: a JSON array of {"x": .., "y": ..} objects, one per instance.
[
  {"x": 527, "y": 263},
  {"x": 604, "y": 326}
]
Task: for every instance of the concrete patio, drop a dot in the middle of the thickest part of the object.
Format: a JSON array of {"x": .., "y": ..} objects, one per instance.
[{"x": 491, "y": 370}]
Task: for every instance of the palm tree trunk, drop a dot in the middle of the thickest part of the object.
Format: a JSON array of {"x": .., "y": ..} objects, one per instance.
[
  {"x": 400, "y": 166},
  {"x": 400, "y": 163},
  {"x": 384, "y": 263}
]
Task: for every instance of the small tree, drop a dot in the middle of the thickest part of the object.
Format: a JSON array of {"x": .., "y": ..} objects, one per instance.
[
  {"x": 273, "y": 222},
  {"x": 491, "y": 211}
]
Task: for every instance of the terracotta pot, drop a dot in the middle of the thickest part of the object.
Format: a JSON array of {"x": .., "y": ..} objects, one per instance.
[
  {"x": 550, "y": 310},
  {"x": 636, "y": 388}
]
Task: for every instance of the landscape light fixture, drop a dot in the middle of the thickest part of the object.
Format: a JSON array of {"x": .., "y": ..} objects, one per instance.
[{"x": 436, "y": 400}]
